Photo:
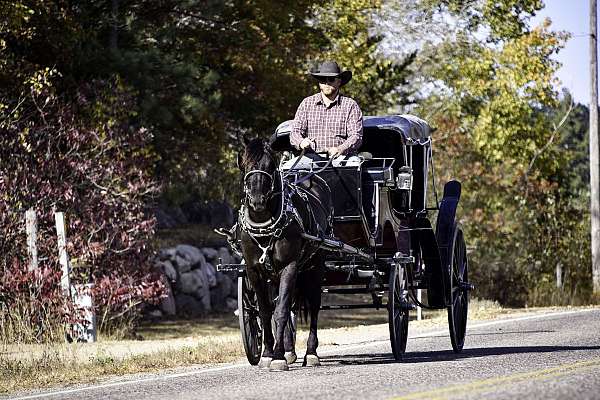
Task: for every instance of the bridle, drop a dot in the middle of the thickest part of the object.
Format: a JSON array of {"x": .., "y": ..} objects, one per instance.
[
  {"x": 272, "y": 229},
  {"x": 260, "y": 172}
]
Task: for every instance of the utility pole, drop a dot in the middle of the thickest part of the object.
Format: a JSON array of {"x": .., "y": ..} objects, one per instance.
[{"x": 594, "y": 149}]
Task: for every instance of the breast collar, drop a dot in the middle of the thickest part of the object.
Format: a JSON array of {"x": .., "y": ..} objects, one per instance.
[{"x": 271, "y": 228}]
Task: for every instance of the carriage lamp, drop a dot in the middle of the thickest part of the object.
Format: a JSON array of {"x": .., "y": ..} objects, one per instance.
[{"x": 404, "y": 178}]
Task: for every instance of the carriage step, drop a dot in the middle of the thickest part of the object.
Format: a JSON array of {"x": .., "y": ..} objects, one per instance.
[
  {"x": 231, "y": 267},
  {"x": 466, "y": 286}
]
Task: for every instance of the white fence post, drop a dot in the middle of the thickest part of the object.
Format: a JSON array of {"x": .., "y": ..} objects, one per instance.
[
  {"x": 63, "y": 258},
  {"x": 31, "y": 229},
  {"x": 559, "y": 275},
  {"x": 81, "y": 295}
]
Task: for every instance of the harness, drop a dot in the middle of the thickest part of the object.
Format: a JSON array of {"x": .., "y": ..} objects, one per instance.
[{"x": 274, "y": 228}]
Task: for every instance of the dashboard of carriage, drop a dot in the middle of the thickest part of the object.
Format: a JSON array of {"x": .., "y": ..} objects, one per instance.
[{"x": 386, "y": 182}]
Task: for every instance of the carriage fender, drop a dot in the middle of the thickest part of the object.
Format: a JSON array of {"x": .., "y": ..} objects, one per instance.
[{"x": 446, "y": 222}]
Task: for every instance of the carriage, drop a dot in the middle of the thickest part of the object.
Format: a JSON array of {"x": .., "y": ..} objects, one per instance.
[{"x": 383, "y": 243}]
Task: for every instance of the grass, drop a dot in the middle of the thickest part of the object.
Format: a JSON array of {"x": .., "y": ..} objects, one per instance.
[{"x": 178, "y": 343}]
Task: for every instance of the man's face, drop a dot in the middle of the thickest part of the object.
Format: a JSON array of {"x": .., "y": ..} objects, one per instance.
[{"x": 329, "y": 85}]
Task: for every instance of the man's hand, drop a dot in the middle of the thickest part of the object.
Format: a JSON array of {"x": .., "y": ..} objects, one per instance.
[
  {"x": 334, "y": 152},
  {"x": 306, "y": 142}
]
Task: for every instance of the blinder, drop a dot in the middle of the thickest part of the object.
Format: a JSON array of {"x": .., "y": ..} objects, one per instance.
[{"x": 258, "y": 171}]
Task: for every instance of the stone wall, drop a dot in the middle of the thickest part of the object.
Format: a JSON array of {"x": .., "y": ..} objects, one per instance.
[{"x": 194, "y": 286}]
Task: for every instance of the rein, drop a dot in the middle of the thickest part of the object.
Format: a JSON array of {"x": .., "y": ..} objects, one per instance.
[
  {"x": 308, "y": 175},
  {"x": 313, "y": 173}
]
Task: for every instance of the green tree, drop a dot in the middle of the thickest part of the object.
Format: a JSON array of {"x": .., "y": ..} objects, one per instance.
[{"x": 491, "y": 81}]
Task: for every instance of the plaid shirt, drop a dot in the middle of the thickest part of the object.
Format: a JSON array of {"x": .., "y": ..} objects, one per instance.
[{"x": 338, "y": 125}]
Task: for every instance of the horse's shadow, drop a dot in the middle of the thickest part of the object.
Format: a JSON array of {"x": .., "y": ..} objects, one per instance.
[{"x": 447, "y": 355}]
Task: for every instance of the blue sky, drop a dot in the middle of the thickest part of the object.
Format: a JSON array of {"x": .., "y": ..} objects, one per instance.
[{"x": 571, "y": 16}]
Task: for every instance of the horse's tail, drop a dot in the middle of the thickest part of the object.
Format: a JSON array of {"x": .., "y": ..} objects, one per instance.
[{"x": 308, "y": 286}]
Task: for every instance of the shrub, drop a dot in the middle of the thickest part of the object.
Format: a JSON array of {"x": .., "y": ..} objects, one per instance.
[{"x": 89, "y": 159}]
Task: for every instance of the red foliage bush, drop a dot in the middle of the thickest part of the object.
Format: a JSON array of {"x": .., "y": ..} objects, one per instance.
[
  {"x": 88, "y": 159},
  {"x": 32, "y": 307}
]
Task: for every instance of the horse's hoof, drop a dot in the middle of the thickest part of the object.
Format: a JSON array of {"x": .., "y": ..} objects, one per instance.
[
  {"x": 290, "y": 357},
  {"x": 265, "y": 362},
  {"x": 278, "y": 365},
  {"x": 311, "y": 360}
]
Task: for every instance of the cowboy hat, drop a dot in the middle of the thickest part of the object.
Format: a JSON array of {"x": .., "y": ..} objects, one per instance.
[{"x": 331, "y": 68}]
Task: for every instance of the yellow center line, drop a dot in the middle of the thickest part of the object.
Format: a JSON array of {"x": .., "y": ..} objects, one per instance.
[{"x": 491, "y": 383}]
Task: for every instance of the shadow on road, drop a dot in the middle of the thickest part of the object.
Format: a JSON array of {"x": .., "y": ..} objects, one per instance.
[
  {"x": 448, "y": 355},
  {"x": 500, "y": 332}
]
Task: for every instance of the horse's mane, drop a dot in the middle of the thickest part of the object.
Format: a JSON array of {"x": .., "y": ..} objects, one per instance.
[{"x": 255, "y": 150}]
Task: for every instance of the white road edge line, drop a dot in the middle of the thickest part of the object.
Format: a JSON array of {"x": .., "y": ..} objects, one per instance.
[{"x": 345, "y": 347}]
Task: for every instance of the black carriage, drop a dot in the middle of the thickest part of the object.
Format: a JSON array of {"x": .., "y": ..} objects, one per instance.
[{"x": 383, "y": 242}]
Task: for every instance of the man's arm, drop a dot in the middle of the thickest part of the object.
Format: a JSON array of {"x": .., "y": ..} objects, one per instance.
[
  {"x": 299, "y": 126},
  {"x": 354, "y": 127}
]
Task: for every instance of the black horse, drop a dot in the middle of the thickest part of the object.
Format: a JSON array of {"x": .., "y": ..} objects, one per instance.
[{"x": 284, "y": 268}]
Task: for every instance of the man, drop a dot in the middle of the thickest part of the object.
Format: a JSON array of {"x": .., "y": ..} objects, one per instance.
[{"x": 327, "y": 122}]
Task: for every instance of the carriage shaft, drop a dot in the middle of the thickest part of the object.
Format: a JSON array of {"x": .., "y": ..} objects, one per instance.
[{"x": 336, "y": 245}]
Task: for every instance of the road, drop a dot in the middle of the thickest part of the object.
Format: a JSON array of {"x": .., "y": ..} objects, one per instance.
[{"x": 549, "y": 356}]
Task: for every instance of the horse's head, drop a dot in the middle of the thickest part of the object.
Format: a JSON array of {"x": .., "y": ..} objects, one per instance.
[{"x": 257, "y": 163}]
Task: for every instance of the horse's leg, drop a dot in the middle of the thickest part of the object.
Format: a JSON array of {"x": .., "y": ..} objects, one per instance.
[
  {"x": 265, "y": 311},
  {"x": 289, "y": 339},
  {"x": 312, "y": 288},
  {"x": 287, "y": 285}
]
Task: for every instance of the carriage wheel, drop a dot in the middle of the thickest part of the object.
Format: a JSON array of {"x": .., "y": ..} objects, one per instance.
[
  {"x": 459, "y": 291},
  {"x": 250, "y": 326},
  {"x": 398, "y": 310}
]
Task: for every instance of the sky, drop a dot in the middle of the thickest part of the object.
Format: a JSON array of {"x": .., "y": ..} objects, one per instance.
[{"x": 571, "y": 16}]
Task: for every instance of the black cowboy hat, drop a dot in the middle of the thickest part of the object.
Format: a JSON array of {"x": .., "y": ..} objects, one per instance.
[{"x": 331, "y": 68}]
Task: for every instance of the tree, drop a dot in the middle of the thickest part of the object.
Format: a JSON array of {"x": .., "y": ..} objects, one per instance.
[{"x": 490, "y": 88}]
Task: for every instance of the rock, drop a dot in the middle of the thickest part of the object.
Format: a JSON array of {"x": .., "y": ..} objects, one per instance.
[
  {"x": 231, "y": 304},
  {"x": 164, "y": 220},
  {"x": 182, "y": 264},
  {"x": 192, "y": 254},
  {"x": 190, "y": 282},
  {"x": 234, "y": 285},
  {"x": 210, "y": 253},
  {"x": 211, "y": 274},
  {"x": 219, "y": 294},
  {"x": 167, "y": 304},
  {"x": 205, "y": 300},
  {"x": 225, "y": 256},
  {"x": 167, "y": 254},
  {"x": 155, "y": 314},
  {"x": 188, "y": 306},
  {"x": 169, "y": 270},
  {"x": 202, "y": 291}
]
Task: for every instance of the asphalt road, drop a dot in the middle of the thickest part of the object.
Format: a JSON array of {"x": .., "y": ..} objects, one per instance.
[{"x": 551, "y": 356}]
